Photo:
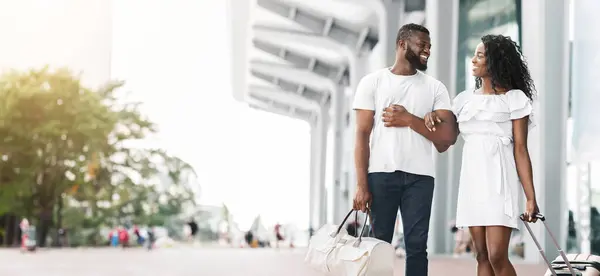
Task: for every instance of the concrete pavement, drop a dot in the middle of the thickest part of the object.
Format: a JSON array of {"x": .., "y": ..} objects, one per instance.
[{"x": 188, "y": 261}]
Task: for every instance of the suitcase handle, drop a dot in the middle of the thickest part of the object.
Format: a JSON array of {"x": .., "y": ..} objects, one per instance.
[
  {"x": 560, "y": 251},
  {"x": 538, "y": 216}
]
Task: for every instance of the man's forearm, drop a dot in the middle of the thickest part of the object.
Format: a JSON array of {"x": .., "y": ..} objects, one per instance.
[
  {"x": 445, "y": 133},
  {"x": 361, "y": 161}
]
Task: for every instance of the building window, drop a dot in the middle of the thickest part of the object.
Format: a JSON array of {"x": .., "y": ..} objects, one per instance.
[{"x": 478, "y": 18}]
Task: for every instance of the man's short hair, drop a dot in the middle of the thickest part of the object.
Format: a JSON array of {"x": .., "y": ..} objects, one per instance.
[{"x": 407, "y": 30}]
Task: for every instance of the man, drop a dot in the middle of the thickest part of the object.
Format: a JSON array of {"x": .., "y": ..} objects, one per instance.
[{"x": 397, "y": 169}]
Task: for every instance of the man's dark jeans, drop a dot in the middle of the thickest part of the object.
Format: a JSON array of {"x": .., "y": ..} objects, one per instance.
[{"x": 413, "y": 194}]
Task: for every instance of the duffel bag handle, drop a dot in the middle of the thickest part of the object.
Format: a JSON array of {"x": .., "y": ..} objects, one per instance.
[
  {"x": 368, "y": 213},
  {"x": 362, "y": 231}
]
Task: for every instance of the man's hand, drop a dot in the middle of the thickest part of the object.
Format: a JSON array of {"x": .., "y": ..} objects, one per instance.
[
  {"x": 431, "y": 119},
  {"x": 362, "y": 199},
  {"x": 396, "y": 116}
]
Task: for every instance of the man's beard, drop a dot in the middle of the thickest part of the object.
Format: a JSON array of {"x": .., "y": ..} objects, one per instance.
[{"x": 415, "y": 60}]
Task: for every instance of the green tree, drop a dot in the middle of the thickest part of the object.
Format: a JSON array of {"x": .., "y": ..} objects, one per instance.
[
  {"x": 64, "y": 149},
  {"x": 51, "y": 125}
]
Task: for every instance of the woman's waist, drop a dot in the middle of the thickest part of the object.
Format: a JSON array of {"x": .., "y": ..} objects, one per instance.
[
  {"x": 489, "y": 145},
  {"x": 488, "y": 137}
]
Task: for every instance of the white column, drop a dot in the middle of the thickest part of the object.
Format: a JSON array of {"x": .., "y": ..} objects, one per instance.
[
  {"x": 394, "y": 10},
  {"x": 348, "y": 186},
  {"x": 314, "y": 221},
  {"x": 339, "y": 114},
  {"x": 442, "y": 22},
  {"x": 358, "y": 69},
  {"x": 318, "y": 159},
  {"x": 545, "y": 45},
  {"x": 322, "y": 128}
]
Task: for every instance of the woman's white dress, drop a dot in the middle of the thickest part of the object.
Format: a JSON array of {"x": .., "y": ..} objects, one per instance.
[{"x": 489, "y": 189}]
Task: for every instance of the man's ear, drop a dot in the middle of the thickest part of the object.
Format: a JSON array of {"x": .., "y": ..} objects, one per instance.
[{"x": 401, "y": 44}]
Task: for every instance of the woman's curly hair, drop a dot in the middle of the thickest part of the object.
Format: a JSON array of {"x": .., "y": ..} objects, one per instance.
[{"x": 506, "y": 65}]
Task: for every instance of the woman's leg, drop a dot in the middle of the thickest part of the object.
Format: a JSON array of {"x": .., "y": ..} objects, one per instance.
[
  {"x": 498, "y": 238},
  {"x": 484, "y": 267}
]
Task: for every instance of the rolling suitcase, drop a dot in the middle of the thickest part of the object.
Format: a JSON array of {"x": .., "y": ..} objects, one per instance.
[
  {"x": 571, "y": 264},
  {"x": 585, "y": 264}
]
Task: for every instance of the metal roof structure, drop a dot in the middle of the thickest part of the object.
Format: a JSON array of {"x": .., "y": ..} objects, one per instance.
[{"x": 309, "y": 43}]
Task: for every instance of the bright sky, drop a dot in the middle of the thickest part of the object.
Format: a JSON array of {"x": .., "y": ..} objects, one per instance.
[{"x": 174, "y": 57}]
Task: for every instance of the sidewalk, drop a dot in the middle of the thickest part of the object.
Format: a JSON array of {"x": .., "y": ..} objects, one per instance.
[{"x": 193, "y": 261}]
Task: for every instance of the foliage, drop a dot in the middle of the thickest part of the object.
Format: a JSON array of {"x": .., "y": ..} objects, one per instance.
[{"x": 65, "y": 149}]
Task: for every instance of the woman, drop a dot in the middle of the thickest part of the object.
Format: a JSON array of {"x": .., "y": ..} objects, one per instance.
[{"x": 494, "y": 120}]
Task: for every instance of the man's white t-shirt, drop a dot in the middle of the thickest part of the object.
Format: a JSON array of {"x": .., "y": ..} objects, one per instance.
[{"x": 400, "y": 148}]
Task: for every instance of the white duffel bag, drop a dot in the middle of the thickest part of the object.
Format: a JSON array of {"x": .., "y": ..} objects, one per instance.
[{"x": 332, "y": 251}]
